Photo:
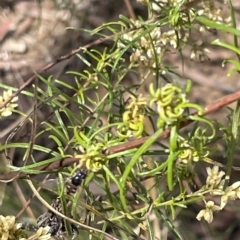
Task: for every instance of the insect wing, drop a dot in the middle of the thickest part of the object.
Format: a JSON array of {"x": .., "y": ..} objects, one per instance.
[{"x": 52, "y": 185}]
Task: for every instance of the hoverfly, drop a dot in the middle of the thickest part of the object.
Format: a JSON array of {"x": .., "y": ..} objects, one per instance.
[
  {"x": 57, "y": 224},
  {"x": 52, "y": 220}
]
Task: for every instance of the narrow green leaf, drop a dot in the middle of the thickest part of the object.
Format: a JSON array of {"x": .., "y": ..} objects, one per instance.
[
  {"x": 226, "y": 45},
  {"x": 219, "y": 26}
]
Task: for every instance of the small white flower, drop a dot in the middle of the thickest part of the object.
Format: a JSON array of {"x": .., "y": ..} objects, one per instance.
[
  {"x": 149, "y": 53},
  {"x": 228, "y": 20},
  {"x": 42, "y": 233},
  {"x": 214, "y": 176},
  {"x": 224, "y": 200},
  {"x": 156, "y": 33},
  {"x": 173, "y": 42},
  {"x": 235, "y": 185},
  {"x": 232, "y": 192},
  {"x": 156, "y": 7},
  {"x": 208, "y": 212},
  {"x": 143, "y": 58},
  {"x": 200, "y": 12},
  {"x": 158, "y": 50},
  {"x": 193, "y": 54}
]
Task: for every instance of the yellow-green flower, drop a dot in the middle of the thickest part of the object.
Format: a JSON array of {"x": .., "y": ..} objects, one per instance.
[
  {"x": 133, "y": 118},
  {"x": 93, "y": 158},
  {"x": 7, "y": 110}
]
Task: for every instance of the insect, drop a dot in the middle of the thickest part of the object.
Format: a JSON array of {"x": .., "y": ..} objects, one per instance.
[{"x": 55, "y": 222}]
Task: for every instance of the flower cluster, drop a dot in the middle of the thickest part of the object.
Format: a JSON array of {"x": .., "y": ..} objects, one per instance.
[
  {"x": 158, "y": 4},
  {"x": 195, "y": 148},
  {"x": 133, "y": 118},
  {"x": 199, "y": 53},
  {"x": 149, "y": 49},
  {"x": 179, "y": 21},
  {"x": 9, "y": 229},
  {"x": 216, "y": 182},
  {"x": 170, "y": 102},
  {"x": 231, "y": 193},
  {"x": 187, "y": 153},
  {"x": 41, "y": 234},
  {"x": 92, "y": 157},
  {"x": 213, "y": 12},
  {"x": 214, "y": 178},
  {"x": 7, "y": 110}
]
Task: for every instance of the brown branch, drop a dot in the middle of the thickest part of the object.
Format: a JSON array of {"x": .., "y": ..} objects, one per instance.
[
  {"x": 209, "y": 109},
  {"x": 8, "y": 177}
]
